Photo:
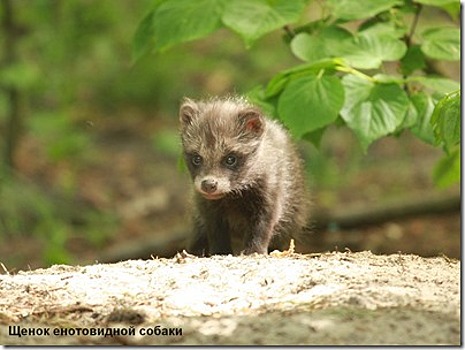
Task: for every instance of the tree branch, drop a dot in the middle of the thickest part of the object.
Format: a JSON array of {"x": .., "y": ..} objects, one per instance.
[{"x": 166, "y": 244}]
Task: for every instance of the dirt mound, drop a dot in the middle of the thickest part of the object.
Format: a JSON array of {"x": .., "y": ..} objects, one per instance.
[{"x": 284, "y": 298}]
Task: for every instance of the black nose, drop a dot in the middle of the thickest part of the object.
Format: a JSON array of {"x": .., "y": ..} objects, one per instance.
[{"x": 209, "y": 185}]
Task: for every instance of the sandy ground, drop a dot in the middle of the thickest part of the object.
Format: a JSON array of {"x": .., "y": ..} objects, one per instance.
[{"x": 284, "y": 298}]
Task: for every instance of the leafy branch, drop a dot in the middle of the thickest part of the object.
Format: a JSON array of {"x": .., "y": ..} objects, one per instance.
[{"x": 344, "y": 76}]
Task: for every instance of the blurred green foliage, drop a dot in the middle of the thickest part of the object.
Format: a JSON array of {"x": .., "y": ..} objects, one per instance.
[
  {"x": 70, "y": 57},
  {"x": 54, "y": 216},
  {"x": 73, "y": 71}
]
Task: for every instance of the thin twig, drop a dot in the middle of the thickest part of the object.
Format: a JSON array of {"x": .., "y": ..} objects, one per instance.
[
  {"x": 409, "y": 36},
  {"x": 4, "y": 268}
]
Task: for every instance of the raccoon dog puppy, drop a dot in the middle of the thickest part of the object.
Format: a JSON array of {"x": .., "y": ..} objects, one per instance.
[{"x": 247, "y": 175}]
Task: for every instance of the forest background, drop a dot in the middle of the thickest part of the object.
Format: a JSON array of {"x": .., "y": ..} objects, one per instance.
[{"x": 90, "y": 148}]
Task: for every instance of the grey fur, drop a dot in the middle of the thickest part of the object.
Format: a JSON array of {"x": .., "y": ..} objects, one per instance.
[{"x": 247, "y": 175}]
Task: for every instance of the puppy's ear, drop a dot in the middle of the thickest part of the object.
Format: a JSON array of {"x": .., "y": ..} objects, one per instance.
[
  {"x": 188, "y": 111},
  {"x": 251, "y": 121}
]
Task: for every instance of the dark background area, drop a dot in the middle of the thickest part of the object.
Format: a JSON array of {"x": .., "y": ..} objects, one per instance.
[{"x": 95, "y": 173}]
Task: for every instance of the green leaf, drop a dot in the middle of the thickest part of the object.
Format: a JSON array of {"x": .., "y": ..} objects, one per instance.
[
  {"x": 441, "y": 85},
  {"x": 277, "y": 84},
  {"x": 310, "y": 103},
  {"x": 413, "y": 60},
  {"x": 252, "y": 19},
  {"x": 280, "y": 80},
  {"x": 142, "y": 40},
  {"x": 447, "y": 170},
  {"x": 308, "y": 47},
  {"x": 358, "y": 9},
  {"x": 424, "y": 106},
  {"x": 446, "y": 120},
  {"x": 388, "y": 28},
  {"x": 410, "y": 119},
  {"x": 180, "y": 21},
  {"x": 453, "y": 9},
  {"x": 368, "y": 49},
  {"x": 373, "y": 110},
  {"x": 319, "y": 44},
  {"x": 442, "y": 43},
  {"x": 436, "y": 2}
]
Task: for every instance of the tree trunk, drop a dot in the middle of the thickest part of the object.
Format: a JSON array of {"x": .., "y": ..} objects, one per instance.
[{"x": 12, "y": 93}]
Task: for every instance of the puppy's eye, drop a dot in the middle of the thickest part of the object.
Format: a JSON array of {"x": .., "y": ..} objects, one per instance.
[
  {"x": 196, "y": 160},
  {"x": 230, "y": 160}
]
